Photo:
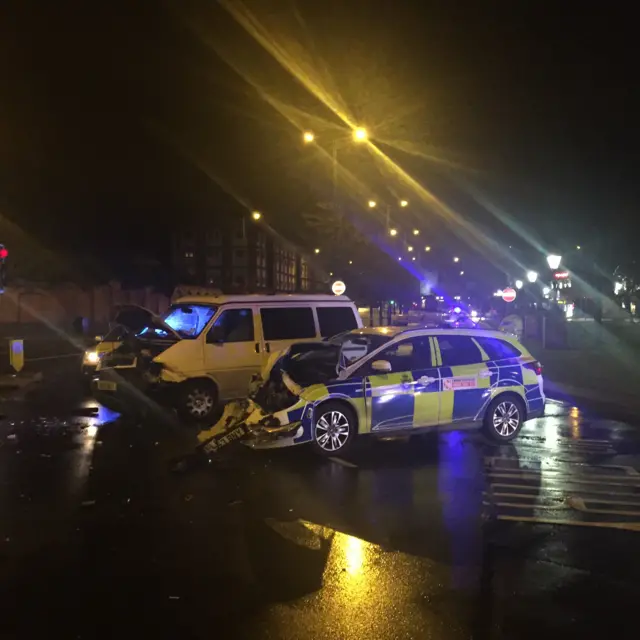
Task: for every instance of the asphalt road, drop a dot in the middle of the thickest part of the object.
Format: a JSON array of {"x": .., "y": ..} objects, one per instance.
[{"x": 434, "y": 537}]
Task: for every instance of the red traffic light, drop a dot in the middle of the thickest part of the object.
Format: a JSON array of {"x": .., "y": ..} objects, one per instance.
[{"x": 3, "y": 253}]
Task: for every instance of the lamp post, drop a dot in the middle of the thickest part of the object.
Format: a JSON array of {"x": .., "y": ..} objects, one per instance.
[
  {"x": 554, "y": 261},
  {"x": 532, "y": 276}
]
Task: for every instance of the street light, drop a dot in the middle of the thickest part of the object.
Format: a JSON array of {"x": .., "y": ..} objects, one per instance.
[
  {"x": 546, "y": 291},
  {"x": 532, "y": 276},
  {"x": 578, "y": 247},
  {"x": 360, "y": 134},
  {"x": 404, "y": 203},
  {"x": 393, "y": 231},
  {"x": 316, "y": 250},
  {"x": 256, "y": 215},
  {"x": 416, "y": 232},
  {"x": 409, "y": 248},
  {"x": 372, "y": 204},
  {"x": 350, "y": 261},
  {"x": 308, "y": 137},
  {"x": 462, "y": 273},
  {"x": 399, "y": 258},
  {"x": 456, "y": 259},
  {"x": 414, "y": 258},
  {"x": 427, "y": 248},
  {"x": 554, "y": 261},
  {"x": 519, "y": 284}
]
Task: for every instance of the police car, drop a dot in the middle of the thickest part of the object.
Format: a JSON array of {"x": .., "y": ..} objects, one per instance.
[{"x": 386, "y": 380}]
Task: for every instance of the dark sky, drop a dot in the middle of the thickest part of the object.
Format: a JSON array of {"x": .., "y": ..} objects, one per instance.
[{"x": 119, "y": 119}]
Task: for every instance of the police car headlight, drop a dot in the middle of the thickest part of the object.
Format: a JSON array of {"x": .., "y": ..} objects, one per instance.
[{"x": 91, "y": 357}]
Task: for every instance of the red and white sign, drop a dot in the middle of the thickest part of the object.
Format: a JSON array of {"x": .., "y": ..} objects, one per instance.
[
  {"x": 451, "y": 384},
  {"x": 509, "y": 294},
  {"x": 338, "y": 287},
  {"x": 561, "y": 275}
]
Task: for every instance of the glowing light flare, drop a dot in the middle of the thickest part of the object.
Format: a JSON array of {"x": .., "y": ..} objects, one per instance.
[
  {"x": 393, "y": 232},
  {"x": 308, "y": 137},
  {"x": 316, "y": 250},
  {"x": 554, "y": 261},
  {"x": 427, "y": 248},
  {"x": 256, "y": 215},
  {"x": 519, "y": 284},
  {"x": 416, "y": 232},
  {"x": 456, "y": 259},
  {"x": 532, "y": 276},
  {"x": 360, "y": 134},
  {"x": 372, "y": 204},
  {"x": 409, "y": 248},
  {"x": 404, "y": 203}
]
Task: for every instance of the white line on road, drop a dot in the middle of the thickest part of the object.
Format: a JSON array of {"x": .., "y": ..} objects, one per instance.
[
  {"x": 504, "y": 485},
  {"x": 344, "y": 463},
  {"x": 548, "y": 475},
  {"x": 629, "y": 526},
  {"x": 66, "y": 355}
]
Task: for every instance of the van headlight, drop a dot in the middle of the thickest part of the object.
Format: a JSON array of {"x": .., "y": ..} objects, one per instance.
[{"x": 91, "y": 357}]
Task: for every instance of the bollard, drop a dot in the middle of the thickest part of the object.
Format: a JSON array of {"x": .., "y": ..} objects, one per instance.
[{"x": 16, "y": 354}]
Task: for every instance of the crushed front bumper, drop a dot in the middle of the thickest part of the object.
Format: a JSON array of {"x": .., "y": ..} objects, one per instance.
[{"x": 244, "y": 420}]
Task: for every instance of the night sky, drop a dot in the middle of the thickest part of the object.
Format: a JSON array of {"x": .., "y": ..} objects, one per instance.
[{"x": 120, "y": 119}]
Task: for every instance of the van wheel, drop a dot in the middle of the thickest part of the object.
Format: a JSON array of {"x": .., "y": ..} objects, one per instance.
[
  {"x": 504, "y": 418},
  {"x": 197, "y": 400},
  {"x": 334, "y": 428}
]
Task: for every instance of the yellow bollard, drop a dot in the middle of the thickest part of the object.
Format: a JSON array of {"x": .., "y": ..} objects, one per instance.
[{"x": 16, "y": 354}]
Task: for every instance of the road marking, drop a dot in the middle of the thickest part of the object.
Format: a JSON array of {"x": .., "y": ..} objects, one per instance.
[
  {"x": 344, "y": 463},
  {"x": 630, "y": 526},
  {"x": 66, "y": 355},
  {"x": 577, "y": 503},
  {"x": 534, "y": 496},
  {"x": 567, "y": 478}
]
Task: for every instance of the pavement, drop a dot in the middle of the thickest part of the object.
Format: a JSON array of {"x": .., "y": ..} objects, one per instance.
[{"x": 440, "y": 536}]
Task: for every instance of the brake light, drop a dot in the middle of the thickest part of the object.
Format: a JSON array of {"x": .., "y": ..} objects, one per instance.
[{"x": 534, "y": 366}]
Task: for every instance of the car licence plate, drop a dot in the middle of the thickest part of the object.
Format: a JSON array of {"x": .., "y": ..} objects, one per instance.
[{"x": 106, "y": 385}]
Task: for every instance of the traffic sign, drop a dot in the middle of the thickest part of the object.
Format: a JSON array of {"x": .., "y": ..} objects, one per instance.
[
  {"x": 338, "y": 287},
  {"x": 509, "y": 294}
]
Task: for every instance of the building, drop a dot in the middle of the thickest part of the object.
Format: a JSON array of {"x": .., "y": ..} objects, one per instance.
[{"x": 236, "y": 256}]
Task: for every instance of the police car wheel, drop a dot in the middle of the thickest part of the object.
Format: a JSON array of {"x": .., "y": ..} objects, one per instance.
[
  {"x": 504, "y": 418},
  {"x": 198, "y": 400},
  {"x": 334, "y": 428}
]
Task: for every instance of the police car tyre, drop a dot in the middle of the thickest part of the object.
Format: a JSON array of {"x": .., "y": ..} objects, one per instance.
[
  {"x": 504, "y": 417},
  {"x": 197, "y": 400},
  {"x": 334, "y": 428}
]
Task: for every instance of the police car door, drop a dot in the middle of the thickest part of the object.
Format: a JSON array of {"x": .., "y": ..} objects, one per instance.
[
  {"x": 407, "y": 396},
  {"x": 464, "y": 377}
]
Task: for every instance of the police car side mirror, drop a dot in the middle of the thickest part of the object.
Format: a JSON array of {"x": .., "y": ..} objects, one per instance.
[{"x": 381, "y": 366}]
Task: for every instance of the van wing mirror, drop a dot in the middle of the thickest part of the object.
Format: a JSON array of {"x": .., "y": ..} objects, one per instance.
[{"x": 381, "y": 366}]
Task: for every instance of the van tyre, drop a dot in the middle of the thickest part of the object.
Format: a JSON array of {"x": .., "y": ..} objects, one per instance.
[
  {"x": 504, "y": 418},
  {"x": 197, "y": 400},
  {"x": 334, "y": 428}
]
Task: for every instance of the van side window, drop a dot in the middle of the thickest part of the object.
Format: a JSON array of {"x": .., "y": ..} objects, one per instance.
[
  {"x": 457, "y": 350},
  {"x": 233, "y": 325},
  {"x": 335, "y": 320},
  {"x": 287, "y": 323}
]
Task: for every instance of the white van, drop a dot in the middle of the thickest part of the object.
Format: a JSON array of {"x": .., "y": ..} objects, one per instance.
[{"x": 214, "y": 344}]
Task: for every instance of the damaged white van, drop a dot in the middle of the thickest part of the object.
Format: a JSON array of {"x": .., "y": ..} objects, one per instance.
[{"x": 205, "y": 349}]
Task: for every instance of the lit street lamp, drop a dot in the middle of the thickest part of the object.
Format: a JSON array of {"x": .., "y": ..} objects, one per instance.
[
  {"x": 554, "y": 261},
  {"x": 256, "y": 215},
  {"x": 409, "y": 248},
  {"x": 532, "y": 276},
  {"x": 372, "y": 204},
  {"x": 404, "y": 203},
  {"x": 360, "y": 134},
  {"x": 308, "y": 137},
  {"x": 546, "y": 291},
  {"x": 393, "y": 231},
  {"x": 519, "y": 284},
  {"x": 462, "y": 273},
  {"x": 416, "y": 232},
  {"x": 316, "y": 250},
  {"x": 456, "y": 259},
  {"x": 427, "y": 248}
]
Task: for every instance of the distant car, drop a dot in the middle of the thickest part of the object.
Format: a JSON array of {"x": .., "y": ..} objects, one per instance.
[{"x": 387, "y": 380}]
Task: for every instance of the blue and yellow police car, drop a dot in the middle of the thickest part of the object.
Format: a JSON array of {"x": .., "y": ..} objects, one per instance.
[{"x": 385, "y": 380}]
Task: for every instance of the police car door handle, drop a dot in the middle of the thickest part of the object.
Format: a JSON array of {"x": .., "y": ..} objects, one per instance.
[{"x": 426, "y": 380}]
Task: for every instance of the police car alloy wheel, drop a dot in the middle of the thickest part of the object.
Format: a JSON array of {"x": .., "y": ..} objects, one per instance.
[
  {"x": 504, "y": 418},
  {"x": 334, "y": 428}
]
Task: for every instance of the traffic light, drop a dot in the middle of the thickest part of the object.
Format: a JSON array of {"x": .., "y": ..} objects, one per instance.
[{"x": 4, "y": 254}]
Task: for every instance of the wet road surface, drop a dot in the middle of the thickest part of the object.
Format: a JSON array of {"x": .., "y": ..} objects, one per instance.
[{"x": 433, "y": 537}]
